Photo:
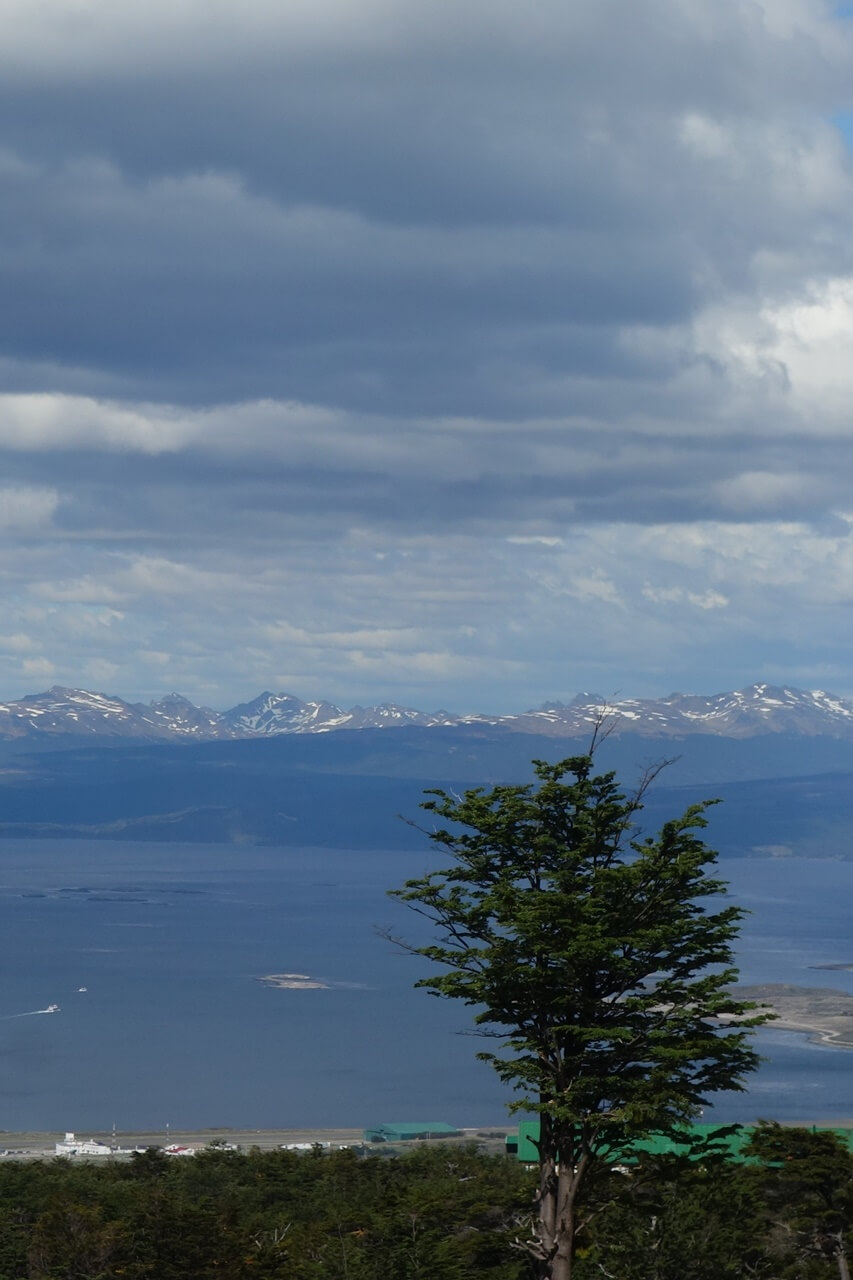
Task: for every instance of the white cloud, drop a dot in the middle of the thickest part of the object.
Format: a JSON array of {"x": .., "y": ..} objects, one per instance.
[
  {"x": 27, "y": 508},
  {"x": 707, "y": 599},
  {"x": 535, "y": 540},
  {"x": 360, "y": 638},
  {"x": 40, "y": 668},
  {"x": 17, "y": 643},
  {"x": 84, "y": 590},
  {"x": 595, "y": 585},
  {"x": 753, "y": 493},
  {"x": 45, "y": 421},
  {"x": 154, "y": 657},
  {"x": 436, "y": 666},
  {"x": 99, "y": 669},
  {"x": 73, "y": 37},
  {"x": 469, "y": 622},
  {"x": 709, "y": 138}
]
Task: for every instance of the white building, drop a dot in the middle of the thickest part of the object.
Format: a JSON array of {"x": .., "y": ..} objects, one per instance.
[{"x": 71, "y": 1146}]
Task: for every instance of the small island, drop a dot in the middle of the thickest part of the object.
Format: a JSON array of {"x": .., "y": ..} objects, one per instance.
[
  {"x": 293, "y": 982},
  {"x": 823, "y": 1013}
]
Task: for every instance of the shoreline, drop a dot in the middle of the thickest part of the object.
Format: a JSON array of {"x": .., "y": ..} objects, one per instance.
[
  {"x": 824, "y": 1014},
  {"x": 816, "y": 1035},
  {"x": 40, "y": 1145}
]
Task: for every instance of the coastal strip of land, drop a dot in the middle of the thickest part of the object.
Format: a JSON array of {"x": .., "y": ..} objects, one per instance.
[
  {"x": 41, "y": 1146},
  {"x": 823, "y": 1013}
]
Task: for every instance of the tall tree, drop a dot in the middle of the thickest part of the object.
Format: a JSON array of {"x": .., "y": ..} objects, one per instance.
[{"x": 590, "y": 953}]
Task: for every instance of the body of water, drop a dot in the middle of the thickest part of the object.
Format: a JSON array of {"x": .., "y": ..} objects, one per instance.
[{"x": 153, "y": 955}]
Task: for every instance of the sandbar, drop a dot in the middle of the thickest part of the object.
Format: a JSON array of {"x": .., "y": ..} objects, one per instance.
[
  {"x": 823, "y": 1013},
  {"x": 293, "y": 982}
]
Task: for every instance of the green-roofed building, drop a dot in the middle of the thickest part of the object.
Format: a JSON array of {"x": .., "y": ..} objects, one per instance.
[
  {"x": 410, "y": 1132},
  {"x": 731, "y": 1143}
]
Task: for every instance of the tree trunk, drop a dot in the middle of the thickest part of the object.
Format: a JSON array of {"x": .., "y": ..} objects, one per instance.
[
  {"x": 558, "y": 1188},
  {"x": 546, "y": 1227},
  {"x": 568, "y": 1183},
  {"x": 843, "y": 1267}
]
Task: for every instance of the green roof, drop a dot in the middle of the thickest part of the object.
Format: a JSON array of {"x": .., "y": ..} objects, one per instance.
[
  {"x": 408, "y": 1130},
  {"x": 730, "y": 1143}
]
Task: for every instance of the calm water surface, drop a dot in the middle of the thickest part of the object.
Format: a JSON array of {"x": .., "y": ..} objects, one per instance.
[{"x": 174, "y": 1028}]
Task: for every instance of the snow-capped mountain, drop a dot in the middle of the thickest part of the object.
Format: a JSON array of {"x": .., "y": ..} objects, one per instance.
[
  {"x": 175, "y": 714},
  {"x": 282, "y": 713},
  {"x": 82, "y": 713},
  {"x": 745, "y": 713},
  {"x": 758, "y": 709}
]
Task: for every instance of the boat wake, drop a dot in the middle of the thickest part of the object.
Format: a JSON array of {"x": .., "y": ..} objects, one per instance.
[{"x": 31, "y": 1013}]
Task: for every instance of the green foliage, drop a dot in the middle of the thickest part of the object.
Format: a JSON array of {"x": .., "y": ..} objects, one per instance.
[
  {"x": 589, "y": 951},
  {"x": 671, "y": 1219},
  {"x": 595, "y": 957},
  {"x": 807, "y": 1182},
  {"x": 438, "y": 1213}
]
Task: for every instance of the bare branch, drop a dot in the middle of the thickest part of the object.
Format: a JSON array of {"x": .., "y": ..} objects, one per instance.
[{"x": 606, "y": 722}]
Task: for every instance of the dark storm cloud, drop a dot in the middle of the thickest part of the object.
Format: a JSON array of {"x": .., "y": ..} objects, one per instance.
[
  {"x": 194, "y": 289},
  {"x": 367, "y": 226},
  {"x": 387, "y": 345}
]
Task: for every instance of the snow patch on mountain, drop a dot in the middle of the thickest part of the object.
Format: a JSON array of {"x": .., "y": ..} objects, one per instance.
[{"x": 759, "y": 709}]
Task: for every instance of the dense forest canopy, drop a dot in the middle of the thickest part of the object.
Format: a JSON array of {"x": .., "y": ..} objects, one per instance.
[{"x": 437, "y": 1213}]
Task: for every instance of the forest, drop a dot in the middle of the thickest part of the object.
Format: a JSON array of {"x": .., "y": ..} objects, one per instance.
[{"x": 435, "y": 1213}]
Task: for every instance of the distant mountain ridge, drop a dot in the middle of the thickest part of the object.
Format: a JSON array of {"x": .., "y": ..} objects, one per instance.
[{"x": 745, "y": 713}]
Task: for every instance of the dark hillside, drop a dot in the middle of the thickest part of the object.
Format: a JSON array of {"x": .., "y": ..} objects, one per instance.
[{"x": 347, "y": 790}]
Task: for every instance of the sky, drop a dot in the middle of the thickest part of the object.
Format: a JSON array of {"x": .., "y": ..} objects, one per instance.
[{"x": 455, "y": 353}]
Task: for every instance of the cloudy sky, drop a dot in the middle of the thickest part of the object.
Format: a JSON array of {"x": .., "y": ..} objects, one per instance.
[{"x": 450, "y": 352}]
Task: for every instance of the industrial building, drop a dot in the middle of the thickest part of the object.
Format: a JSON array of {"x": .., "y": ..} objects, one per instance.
[
  {"x": 410, "y": 1132},
  {"x": 733, "y": 1139}
]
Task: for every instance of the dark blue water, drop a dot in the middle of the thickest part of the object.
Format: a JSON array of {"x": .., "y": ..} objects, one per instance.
[
  {"x": 174, "y": 1027},
  {"x": 801, "y": 915}
]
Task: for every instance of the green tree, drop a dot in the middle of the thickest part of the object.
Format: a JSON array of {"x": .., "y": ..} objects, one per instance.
[
  {"x": 74, "y": 1242},
  {"x": 806, "y": 1178},
  {"x": 589, "y": 952},
  {"x": 675, "y": 1218}
]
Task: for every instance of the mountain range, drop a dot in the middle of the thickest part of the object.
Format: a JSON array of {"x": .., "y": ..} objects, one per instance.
[
  {"x": 758, "y": 710},
  {"x": 280, "y": 771}
]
